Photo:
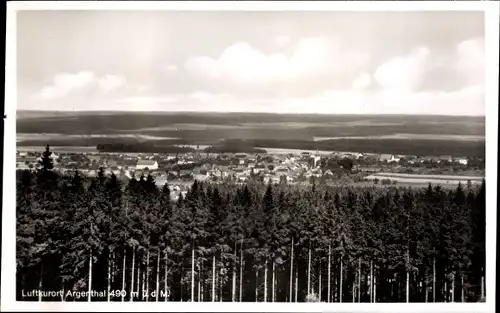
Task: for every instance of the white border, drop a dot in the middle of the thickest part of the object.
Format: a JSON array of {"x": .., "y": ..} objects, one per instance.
[{"x": 491, "y": 9}]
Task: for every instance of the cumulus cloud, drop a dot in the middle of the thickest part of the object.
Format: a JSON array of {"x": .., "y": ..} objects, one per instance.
[
  {"x": 470, "y": 60},
  {"x": 110, "y": 82},
  {"x": 63, "y": 83},
  {"x": 362, "y": 81},
  {"x": 171, "y": 68},
  {"x": 403, "y": 73},
  {"x": 281, "y": 40},
  {"x": 241, "y": 62},
  {"x": 392, "y": 87}
]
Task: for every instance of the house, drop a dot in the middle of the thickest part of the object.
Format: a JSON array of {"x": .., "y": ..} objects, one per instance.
[
  {"x": 359, "y": 155},
  {"x": 199, "y": 170},
  {"x": 445, "y": 158},
  {"x": 389, "y": 158},
  {"x": 461, "y": 160},
  {"x": 281, "y": 169},
  {"x": 171, "y": 158},
  {"x": 184, "y": 173},
  {"x": 243, "y": 178},
  {"x": 317, "y": 159},
  {"x": 386, "y": 157},
  {"x": 22, "y": 166},
  {"x": 328, "y": 173},
  {"x": 200, "y": 177},
  {"x": 149, "y": 164}
]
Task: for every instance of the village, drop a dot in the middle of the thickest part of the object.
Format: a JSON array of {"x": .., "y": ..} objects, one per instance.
[{"x": 180, "y": 170}]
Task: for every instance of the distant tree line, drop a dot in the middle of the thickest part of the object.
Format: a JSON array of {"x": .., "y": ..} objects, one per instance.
[
  {"x": 417, "y": 147},
  {"x": 143, "y": 147},
  {"x": 233, "y": 146},
  {"x": 253, "y": 242}
]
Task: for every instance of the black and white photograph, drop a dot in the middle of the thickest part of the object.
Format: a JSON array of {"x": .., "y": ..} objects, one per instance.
[{"x": 250, "y": 156}]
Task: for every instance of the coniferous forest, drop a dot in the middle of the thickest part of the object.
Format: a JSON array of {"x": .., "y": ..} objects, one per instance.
[{"x": 97, "y": 239}]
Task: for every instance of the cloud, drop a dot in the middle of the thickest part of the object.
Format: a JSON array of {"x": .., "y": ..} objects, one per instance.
[
  {"x": 243, "y": 63},
  {"x": 281, "y": 40},
  {"x": 144, "y": 100},
  {"x": 110, "y": 82},
  {"x": 171, "y": 68},
  {"x": 470, "y": 60},
  {"x": 362, "y": 81},
  {"x": 466, "y": 101},
  {"x": 64, "y": 83},
  {"x": 403, "y": 73}
]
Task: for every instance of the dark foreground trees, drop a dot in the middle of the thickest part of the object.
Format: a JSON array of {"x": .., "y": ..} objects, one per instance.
[{"x": 98, "y": 239}]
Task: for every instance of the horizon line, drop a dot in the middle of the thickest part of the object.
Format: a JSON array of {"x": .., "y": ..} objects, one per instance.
[{"x": 246, "y": 112}]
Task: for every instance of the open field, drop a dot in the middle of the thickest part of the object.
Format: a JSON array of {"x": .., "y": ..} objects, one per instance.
[
  {"x": 441, "y": 177},
  {"x": 397, "y": 134},
  {"x": 426, "y": 179}
]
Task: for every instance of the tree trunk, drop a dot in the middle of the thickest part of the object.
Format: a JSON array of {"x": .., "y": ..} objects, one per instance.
[
  {"x": 40, "y": 283},
  {"x": 192, "y": 272},
  {"x": 453, "y": 288},
  {"x": 144, "y": 285},
  {"x": 374, "y": 288},
  {"x": 426, "y": 287},
  {"x": 241, "y": 271},
  {"x": 124, "y": 270},
  {"x": 147, "y": 276},
  {"x": 434, "y": 280},
  {"x": 296, "y": 285},
  {"x": 445, "y": 287},
  {"x": 109, "y": 276},
  {"x": 341, "y": 276},
  {"x": 139, "y": 294},
  {"x": 359, "y": 279},
  {"x": 392, "y": 287},
  {"x": 371, "y": 281},
  {"x": 265, "y": 282},
  {"x": 328, "y": 294},
  {"x": 202, "y": 281},
  {"x": 158, "y": 276},
  {"x": 213, "y": 278},
  {"x": 291, "y": 272},
  {"x": 407, "y": 286},
  {"x": 354, "y": 292},
  {"x": 132, "y": 276},
  {"x": 273, "y": 282},
  {"x": 482, "y": 287},
  {"x": 90, "y": 277},
  {"x": 221, "y": 287},
  {"x": 113, "y": 266},
  {"x": 463, "y": 289},
  {"x": 257, "y": 285},
  {"x": 319, "y": 287},
  {"x": 199, "y": 283},
  {"x": 166, "y": 275},
  {"x": 233, "y": 296},
  {"x": 309, "y": 272}
]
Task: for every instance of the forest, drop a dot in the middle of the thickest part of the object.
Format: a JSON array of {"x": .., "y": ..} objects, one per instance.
[{"x": 110, "y": 240}]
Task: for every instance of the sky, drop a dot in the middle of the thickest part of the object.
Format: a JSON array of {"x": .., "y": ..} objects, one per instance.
[{"x": 235, "y": 61}]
